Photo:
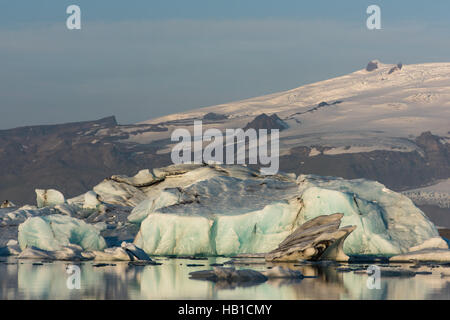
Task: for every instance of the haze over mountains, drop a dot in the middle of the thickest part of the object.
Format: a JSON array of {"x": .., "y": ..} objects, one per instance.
[{"x": 389, "y": 124}]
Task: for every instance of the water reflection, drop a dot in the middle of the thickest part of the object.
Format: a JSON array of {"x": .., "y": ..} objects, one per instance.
[{"x": 28, "y": 280}]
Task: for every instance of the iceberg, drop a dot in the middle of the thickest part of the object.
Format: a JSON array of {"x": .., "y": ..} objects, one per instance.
[
  {"x": 53, "y": 232},
  {"x": 213, "y": 209}
]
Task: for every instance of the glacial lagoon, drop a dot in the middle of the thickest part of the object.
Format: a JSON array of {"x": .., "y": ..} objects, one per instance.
[{"x": 26, "y": 279}]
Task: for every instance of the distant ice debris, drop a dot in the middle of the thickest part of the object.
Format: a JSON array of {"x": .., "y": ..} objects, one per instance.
[
  {"x": 69, "y": 252},
  {"x": 435, "y": 255},
  {"x": 7, "y": 204},
  {"x": 12, "y": 249},
  {"x": 50, "y": 197},
  {"x": 91, "y": 200},
  {"x": 432, "y": 243}
]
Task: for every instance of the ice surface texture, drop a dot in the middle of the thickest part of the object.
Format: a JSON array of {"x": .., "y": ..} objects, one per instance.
[
  {"x": 227, "y": 210},
  {"x": 53, "y": 232}
]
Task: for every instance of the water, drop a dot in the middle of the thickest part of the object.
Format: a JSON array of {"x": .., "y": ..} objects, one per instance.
[{"x": 48, "y": 280}]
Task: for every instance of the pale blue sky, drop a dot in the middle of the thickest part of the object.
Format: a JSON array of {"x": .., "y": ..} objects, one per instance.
[{"x": 142, "y": 59}]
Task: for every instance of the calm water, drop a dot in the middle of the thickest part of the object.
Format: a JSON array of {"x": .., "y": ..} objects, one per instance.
[{"x": 31, "y": 280}]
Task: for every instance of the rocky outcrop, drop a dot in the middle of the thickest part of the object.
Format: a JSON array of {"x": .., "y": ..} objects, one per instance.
[
  {"x": 212, "y": 116},
  {"x": 319, "y": 238},
  {"x": 6, "y": 204},
  {"x": 263, "y": 121},
  {"x": 372, "y": 65}
]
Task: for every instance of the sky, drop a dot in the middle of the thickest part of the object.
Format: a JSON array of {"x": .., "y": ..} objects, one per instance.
[{"x": 143, "y": 59}]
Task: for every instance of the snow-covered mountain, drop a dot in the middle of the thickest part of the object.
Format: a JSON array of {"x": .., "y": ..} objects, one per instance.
[
  {"x": 363, "y": 111},
  {"x": 389, "y": 124}
]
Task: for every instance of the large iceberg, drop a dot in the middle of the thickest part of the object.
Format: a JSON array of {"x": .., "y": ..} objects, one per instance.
[
  {"x": 228, "y": 210},
  {"x": 212, "y": 209}
]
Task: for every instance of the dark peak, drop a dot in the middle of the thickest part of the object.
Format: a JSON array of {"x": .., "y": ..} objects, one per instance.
[
  {"x": 428, "y": 141},
  {"x": 263, "y": 121},
  {"x": 214, "y": 116},
  {"x": 108, "y": 121},
  {"x": 372, "y": 65},
  {"x": 397, "y": 67}
]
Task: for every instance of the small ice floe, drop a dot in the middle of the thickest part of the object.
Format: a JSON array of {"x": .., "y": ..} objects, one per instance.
[
  {"x": 50, "y": 197},
  {"x": 7, "y": 204},
  {"x": 12, "y": 249},
  {"x": 126, "y": 252},
  {"x": 240, "y": 276},
  {"x": 432, "y": 250},
  {"x": 229, "y": 274}
]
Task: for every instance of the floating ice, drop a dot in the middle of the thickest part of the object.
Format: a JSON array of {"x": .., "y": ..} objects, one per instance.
[
  {"x": 436, "y": 255},
  {"x": 318, "y": 238},
  {"x": 228, "y": 210},
  {"x": 49, "y": 198},
  {"x": 53, "y": 232},
  {"x": 70, "y": 252}
]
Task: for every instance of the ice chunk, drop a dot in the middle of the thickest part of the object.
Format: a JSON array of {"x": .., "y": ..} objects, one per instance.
[
  {"x": 135, "y": 252},
  {"x": 319, "y": 238},
  {"x": 117, "y": 193},
  {"x": 91, "y": 200},
  {"x": 436, "y": 255},
  {"x": 126, "y": 252},
  {"x": 7, "y": 204},
  {"x": 143, "y": 178},
  {"x": 432, "y": 243},
  {"x": 112, "y": 254},
  {"x": 67, "y": 253},
  {"x": 55, "y": 231},
  {"x": 49, "y": 198}
]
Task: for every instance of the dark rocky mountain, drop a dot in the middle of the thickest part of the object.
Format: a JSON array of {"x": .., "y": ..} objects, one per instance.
[
  {"x": 74, "y": 157},
  {"x": 70, "y": 157}
]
